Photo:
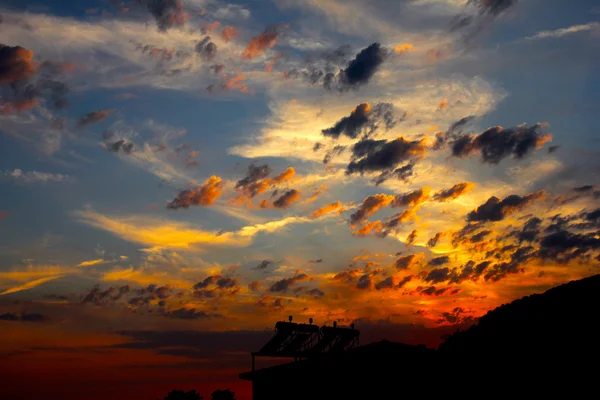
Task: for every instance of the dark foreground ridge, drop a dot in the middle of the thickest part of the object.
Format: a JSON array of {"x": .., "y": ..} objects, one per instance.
[{"x": 540, "y": 345}]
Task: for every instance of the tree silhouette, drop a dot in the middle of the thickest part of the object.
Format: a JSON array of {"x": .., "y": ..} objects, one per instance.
[
  {"x": 222, "y": 395},
  {"x": 181, "y": 395}
]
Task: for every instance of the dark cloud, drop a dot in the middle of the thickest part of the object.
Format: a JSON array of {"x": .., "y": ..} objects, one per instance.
[
  {"x": 454, "y": 192},
  {"x": 362, "y": 68},
  {"x": 552, "y": 149},
  {"x": 316, "y": 293},
  {"x": 167, "y": 13},
  {"x": 334, "y": 71},
  {"x": 432, "y": 242},
  {"x": 411, "y": 199},
  {"x": 263, "y": 264},
  {"x": 287, "y": 199},
  {"x": 94, "y": 116},
  {"x": 495, "y": 209},
  {"x": 215, "y": 286},
  {"x": 351, "y": 125},
  {"x": 441, "y": 260},
  {"x": 479, "y": 237},
  {"x": 317, "y": 261},
  {"x": 497, "y": 143},
  {"x": 255, "y": 173},
  {"x": 206, "y": 49},
  {"x": 15, "y": 64},
  {"x": 369, "y": 206},
  {"x": 403, "y": 173},
  {"x": 205, "y": 195},
  {"x": 372, "y": 156},
  {"x": 363, "y": 119},
  {"x": 411, "y": 238},
  {"x": 120, "y": 145},
  {"x": 405, "y": 262},
  {"x": 190, "y": 313},
  {"x": 454, "y": 132},
  {"x": 284, "y": 284},
  {"x": 24, "y": 317},
  {"x": 387, "y": 283},
  {"x": 493, "y": 7},
  {"x": 564, "y": 246},
  {"x": 335, "y": 151}
]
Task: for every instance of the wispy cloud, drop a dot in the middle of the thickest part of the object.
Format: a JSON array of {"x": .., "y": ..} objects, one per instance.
[
  {"x": 164, "y": 234},
  {"x": 565, "y": 31},
  {"x": 35, "y": 176}
]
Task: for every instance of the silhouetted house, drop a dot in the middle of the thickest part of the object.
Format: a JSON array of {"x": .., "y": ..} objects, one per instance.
[{"x": 330, "y": 365}]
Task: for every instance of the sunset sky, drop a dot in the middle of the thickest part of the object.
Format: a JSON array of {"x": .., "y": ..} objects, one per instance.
[{"x": 177, "y": 176}]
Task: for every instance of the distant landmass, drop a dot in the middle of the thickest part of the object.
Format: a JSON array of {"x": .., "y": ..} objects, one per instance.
[{"x": 541, "y": 345}]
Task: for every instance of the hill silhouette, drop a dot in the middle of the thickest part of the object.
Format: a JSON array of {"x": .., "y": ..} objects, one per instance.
[
  {"x": 564, "y": 319},
  {"x": 541, "y": 345}
]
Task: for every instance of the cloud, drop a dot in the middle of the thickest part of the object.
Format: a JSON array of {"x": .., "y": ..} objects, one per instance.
[
  {"x": 371, "y": 156},
  {"x": 159, "y": 233},
  {"x": 188, "y": 313},
  {"x": 437, "y": 261},
  {"x": 564, "y": 31},
  {"x": 403, "y": 48},
  {"x": 496, "y": 209},
  {"x": 120, "y": 145},
  {"x": 351, "y": 125},
  {"x": 454, "y": 192},
  {"x": 411, "y": 238},
  {"x": 335, "y": 207},
  {"x": 30, "y": 285},
  {"x": 287, "y": 199},
  {"x": 369, "y": 206},
  {"x": 406, "y": 262},
  {"x": 257, "y": 181},
  {"x": 206, "y": 49},
  {"x": 24, "y": 317},
  {"x": 411, "y": 199},
  {"x": 35, "y": 176},
  {"x": 497, "y": 143},
  {"x": 493, "y": 7},
  {"x": 229, "y": 33},
  {"x": 360, "y": 70},
  {"x": 284, "y": 284},
  {"x": 167, "y": 13},
  {"x": 15, "y": 64},
  {"x": 205, "y": 195},
  {"x": 259, "y": 43},
  {"x": 263, "y": 264},
  {"x": 94, "y": 116}
]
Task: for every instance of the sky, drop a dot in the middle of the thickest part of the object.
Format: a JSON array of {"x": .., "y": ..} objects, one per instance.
[{"x": 177, "y": 176}]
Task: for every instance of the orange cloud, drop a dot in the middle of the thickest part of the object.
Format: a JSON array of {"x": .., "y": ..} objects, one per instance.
[
  {"x": 9, "y": 108},
  {"x": 228, "y": 33},
  {"x": 15, "y": 64},
  {"x": 205, "y": 195},
  {"x": 315, "y": 195},
  {"x": 328, "y": 209},
  {"x": 209, "y": 28},
  {"x": 259, "y": 43},
  {"x": 403, "y": 48},
  {"x": 443, "y": 104},
  {"x": 235, "y": 83},
  {"x": 270, "y": 64},
  {"x": 368, "y": 227},
  {"x": 454, "y": 192},
  {"x": 284, "y": 201}
]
